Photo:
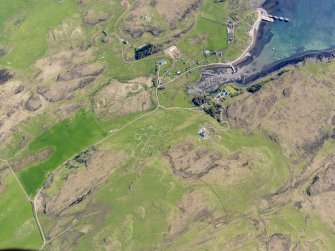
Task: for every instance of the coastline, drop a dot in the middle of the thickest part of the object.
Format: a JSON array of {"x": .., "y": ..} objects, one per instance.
[
  {"x": 318, "y": 56},
  {"x": 217, "y": 75}
]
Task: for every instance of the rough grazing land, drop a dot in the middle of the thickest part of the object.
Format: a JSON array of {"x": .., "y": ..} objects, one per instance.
[{"x": 102, "y": 158}]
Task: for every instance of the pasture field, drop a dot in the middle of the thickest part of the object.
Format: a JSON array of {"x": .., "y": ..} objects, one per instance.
[
  {"x": 10, "y": 9},
  {"x": 209, "y": 33},
  {"x": 117, "y": 66},
  {"x": 145, "y": 192},
  {"x": 18, "y": 227},
  {"x": 151, "y": 182},
  {"x": 142, "y": 213},
  {"x": 156, "y": 133},
  {"x": 65, "y": 139},
  {"x": 174, "y": 94},
  {"x": 302, "y": 226},
  {"x": 33, "y": 20}
]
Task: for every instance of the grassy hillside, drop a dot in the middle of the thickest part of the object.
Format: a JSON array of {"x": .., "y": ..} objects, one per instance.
[
  {"x": 65, "y": 139},
  {"x": 19, "y": 229},
  {"x": 33, "y": 19},
  {"x": 80, "y": 124}
]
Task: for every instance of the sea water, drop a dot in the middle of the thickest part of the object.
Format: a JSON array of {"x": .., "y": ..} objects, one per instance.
[
  {"x": 311, "y": 28},
  {"x": 309, "y": 32}
]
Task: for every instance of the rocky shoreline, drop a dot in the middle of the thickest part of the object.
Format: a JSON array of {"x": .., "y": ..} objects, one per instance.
[{"x": 213, "y": 77}]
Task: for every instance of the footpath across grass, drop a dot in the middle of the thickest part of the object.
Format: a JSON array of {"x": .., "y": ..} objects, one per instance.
[{"x": 65, "y": 139}]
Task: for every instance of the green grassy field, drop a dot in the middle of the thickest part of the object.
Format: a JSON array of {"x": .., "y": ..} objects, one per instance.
[
  {"x": 18, "y": 227},
  {"x": 133, "y": 208},
  {"x": 143, "y": 193},
  {"x": 112, "y": 56},
  {"x": 65, "y": 139},
  {"x": 9, "y": 9},
  {"x": 27, "y": 39},
  {"x": 292, "y": 221},
  {"x": 156, "y": 133},
  {"x": 174, "y": 94},
  {"x": 209, "y": 33},
  {"x": 147, "y": 206}
]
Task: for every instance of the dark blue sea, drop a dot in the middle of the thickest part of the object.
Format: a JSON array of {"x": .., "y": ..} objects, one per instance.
[{"x": 311, "y": 27}]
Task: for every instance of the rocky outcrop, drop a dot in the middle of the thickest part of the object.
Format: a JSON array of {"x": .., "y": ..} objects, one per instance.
[
  {"x": 95, "y": 17},
  {"x": 295, "y": 113},
  {"x": 323, "y": 181},
  {"x": 5, "y": 76},
  {"x": 33, "y": 103},
  {"x": 279, "y": 242}
]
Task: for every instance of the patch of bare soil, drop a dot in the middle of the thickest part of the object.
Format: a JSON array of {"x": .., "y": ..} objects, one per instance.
[
  {"x": 295, "y": 111},
  {"x": 192, "y": 207},
  {"x": 117, "y": 99},
  {"x": 19, "y": 164},
  {"x": 188, "y": 161},
  {"x": 279, "y": 242},
  {"x": 91, "y": 171}
]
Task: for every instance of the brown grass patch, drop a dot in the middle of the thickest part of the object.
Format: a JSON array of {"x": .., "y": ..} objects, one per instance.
[{"x": 80, "y": 182}]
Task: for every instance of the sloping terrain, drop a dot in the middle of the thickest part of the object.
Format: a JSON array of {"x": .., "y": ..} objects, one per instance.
[
  {"x": 102, "y": 152},
  {"x": 296, "y": 110}
]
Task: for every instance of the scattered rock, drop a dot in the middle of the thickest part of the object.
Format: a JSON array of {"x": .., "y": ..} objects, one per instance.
[
  {"x": 298, "y": 204},
  {"x": 279, "y": 242},
  {"x": 187, "y": 161},
  {"x": 34, "y": 103},
  {"x": 192, "y": 207},
  {"x": 287, "y": 92},
  {"x": 95, "y": 17},
  {"x": 5, "y": 76},
  {"x": 19, "y": 89},
  {"x": 11, "y": 111},
  {"x": 82, "y": 71},
  {"x": 284, "y": 109},
  {"x": 323, "y": 181},
  {"x": 2, "y": 53},
  {"x": 79, "y": 183},
  {"x": 86, "y": 81}
]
